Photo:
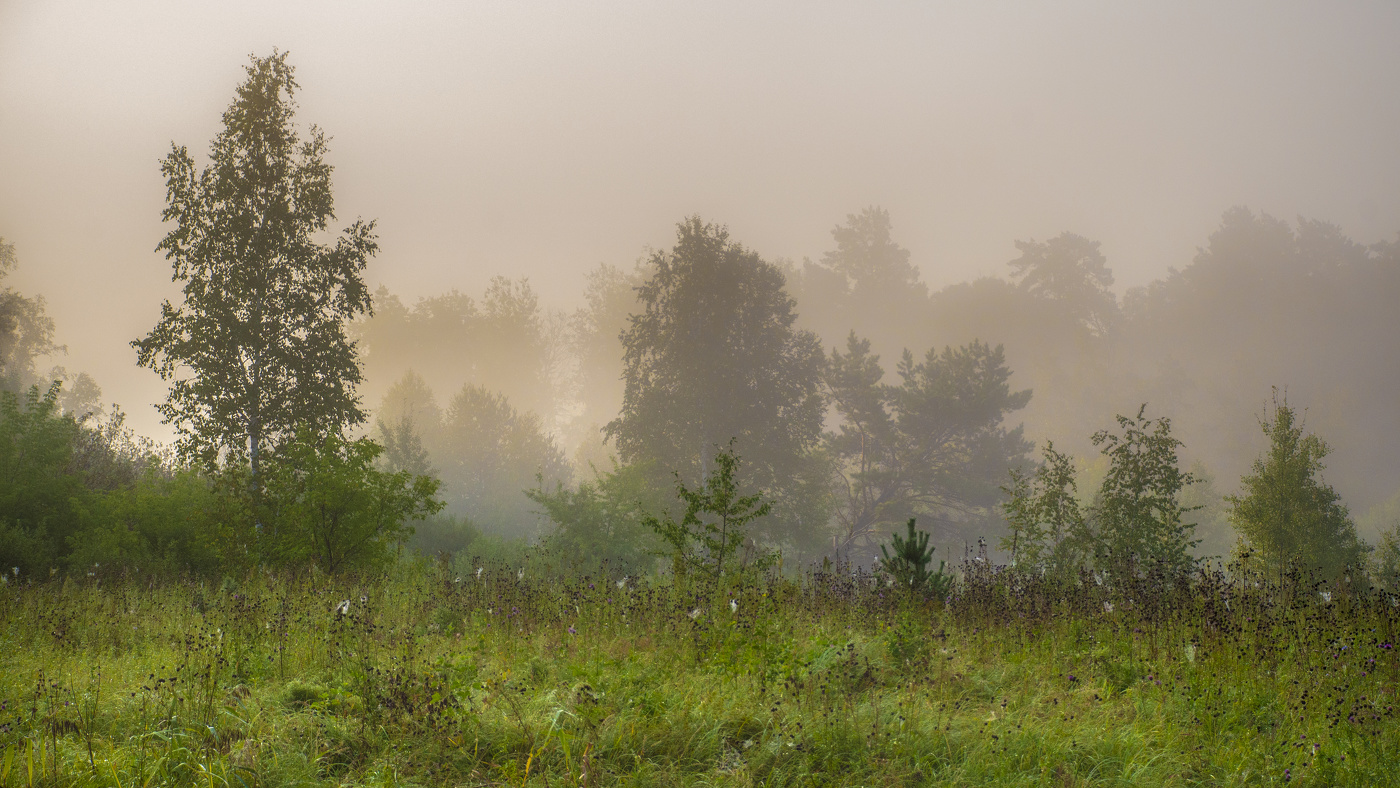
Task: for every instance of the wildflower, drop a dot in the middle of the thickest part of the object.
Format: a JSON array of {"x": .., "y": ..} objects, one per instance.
[
  {"x": 343, "y": 608},
  {"x": 572, "y": 631},
  {"x": 1108, "y": 607},
  {"x": 622, "y": 583},
  {"x": 520, "y": 575},
  {"x": 1326, "y": 597},
  {"x": 733, "y": 606},
  {"x": 694, "y": 614},
  {"x": 478, "y": 572}
]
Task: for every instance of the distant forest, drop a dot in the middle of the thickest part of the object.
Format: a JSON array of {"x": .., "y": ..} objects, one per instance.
[{"x": 1264, "y": 303}]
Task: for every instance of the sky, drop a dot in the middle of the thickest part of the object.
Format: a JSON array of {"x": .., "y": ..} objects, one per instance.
[{"x": 541, "y": 139}]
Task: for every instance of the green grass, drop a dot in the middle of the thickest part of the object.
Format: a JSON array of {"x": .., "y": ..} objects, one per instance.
[{"x": 432, "y": 678}]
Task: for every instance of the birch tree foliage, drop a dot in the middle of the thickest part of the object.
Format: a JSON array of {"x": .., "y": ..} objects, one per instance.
[{"x": 258, "y": 344}]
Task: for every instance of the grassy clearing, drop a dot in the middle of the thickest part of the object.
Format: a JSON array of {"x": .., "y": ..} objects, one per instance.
[{"x": 438, "y": 677}]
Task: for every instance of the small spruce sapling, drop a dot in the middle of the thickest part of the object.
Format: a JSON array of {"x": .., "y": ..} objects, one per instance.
[{"x": 909, "y": 566}]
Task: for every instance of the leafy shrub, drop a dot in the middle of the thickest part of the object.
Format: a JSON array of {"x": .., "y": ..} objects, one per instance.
[
  {"x": 326, "y": 503},
  {"x": 42, "y": 501},
  {"x": 603, "y": 520}
]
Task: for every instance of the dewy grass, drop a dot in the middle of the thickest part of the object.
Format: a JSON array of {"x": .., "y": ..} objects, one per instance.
[{"x": 429, "y": 676}]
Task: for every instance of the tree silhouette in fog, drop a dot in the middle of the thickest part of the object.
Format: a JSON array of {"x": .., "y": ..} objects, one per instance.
[
  {"x": 934, "y": 446},
  {"x": 713, "y": 355}
]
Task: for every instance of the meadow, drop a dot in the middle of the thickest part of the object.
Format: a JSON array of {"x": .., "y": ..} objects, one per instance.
[{"x": 462, "y": 674}]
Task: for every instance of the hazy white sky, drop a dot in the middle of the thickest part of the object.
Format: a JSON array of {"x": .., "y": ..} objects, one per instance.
[{"x": 540, "y": 139}]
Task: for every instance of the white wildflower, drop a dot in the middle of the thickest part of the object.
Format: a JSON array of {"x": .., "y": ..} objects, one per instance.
[
  {"x": 343, "y": 608},
  {"x": 478, "y": 572},
  {"x": 1326, "y": 597},
  {"x": 733, "y": 606},
  {"x": 623, "y": 582},
  {"x": 1108, "y": 607},
  {"x": 520, "y": 575},
  {"x": 694, "y": 614}
]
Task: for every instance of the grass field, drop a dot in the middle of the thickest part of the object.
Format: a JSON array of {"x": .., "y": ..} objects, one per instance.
[{"x": 441, "y": 676}]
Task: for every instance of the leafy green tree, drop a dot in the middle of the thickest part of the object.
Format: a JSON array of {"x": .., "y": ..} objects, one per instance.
[
  {"x": 1069, "y": 269},
  {"x": 934, "y": 445},
  {"x": 332, "y": 507},
  {"x": 42, "y": 502},
  {"x": 258, "y": 345},
  {"x": 1049, "y": 533},
  {"x": 713, "y": 355},
  {"x": 1138, "y": 516},
  {"x": 1286, "y": 513},
  {"x": 715, "y": 524}
]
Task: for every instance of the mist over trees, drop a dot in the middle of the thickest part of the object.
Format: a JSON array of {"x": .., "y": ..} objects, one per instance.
[
  {"x": 573, "y": 427},
  {"x": 1263, "y": 303},
  {"x": 712, "y": 356}
]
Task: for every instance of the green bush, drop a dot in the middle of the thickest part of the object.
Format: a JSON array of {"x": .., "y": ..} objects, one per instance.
[
  {"x": 325, "y": 502},
  {"x": 602, "y": 521},
  {"x": 42, "y": 501},
  {"x": 163, "y": 524}
]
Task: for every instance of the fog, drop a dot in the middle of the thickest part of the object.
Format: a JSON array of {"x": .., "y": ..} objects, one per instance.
[{"x": 537, "y": 141}]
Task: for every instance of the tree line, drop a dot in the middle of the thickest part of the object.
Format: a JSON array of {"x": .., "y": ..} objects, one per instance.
[{"x": 704, "y": 359}]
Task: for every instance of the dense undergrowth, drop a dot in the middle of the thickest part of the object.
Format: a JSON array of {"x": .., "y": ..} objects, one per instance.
[{"x": 464, "y": 675}]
